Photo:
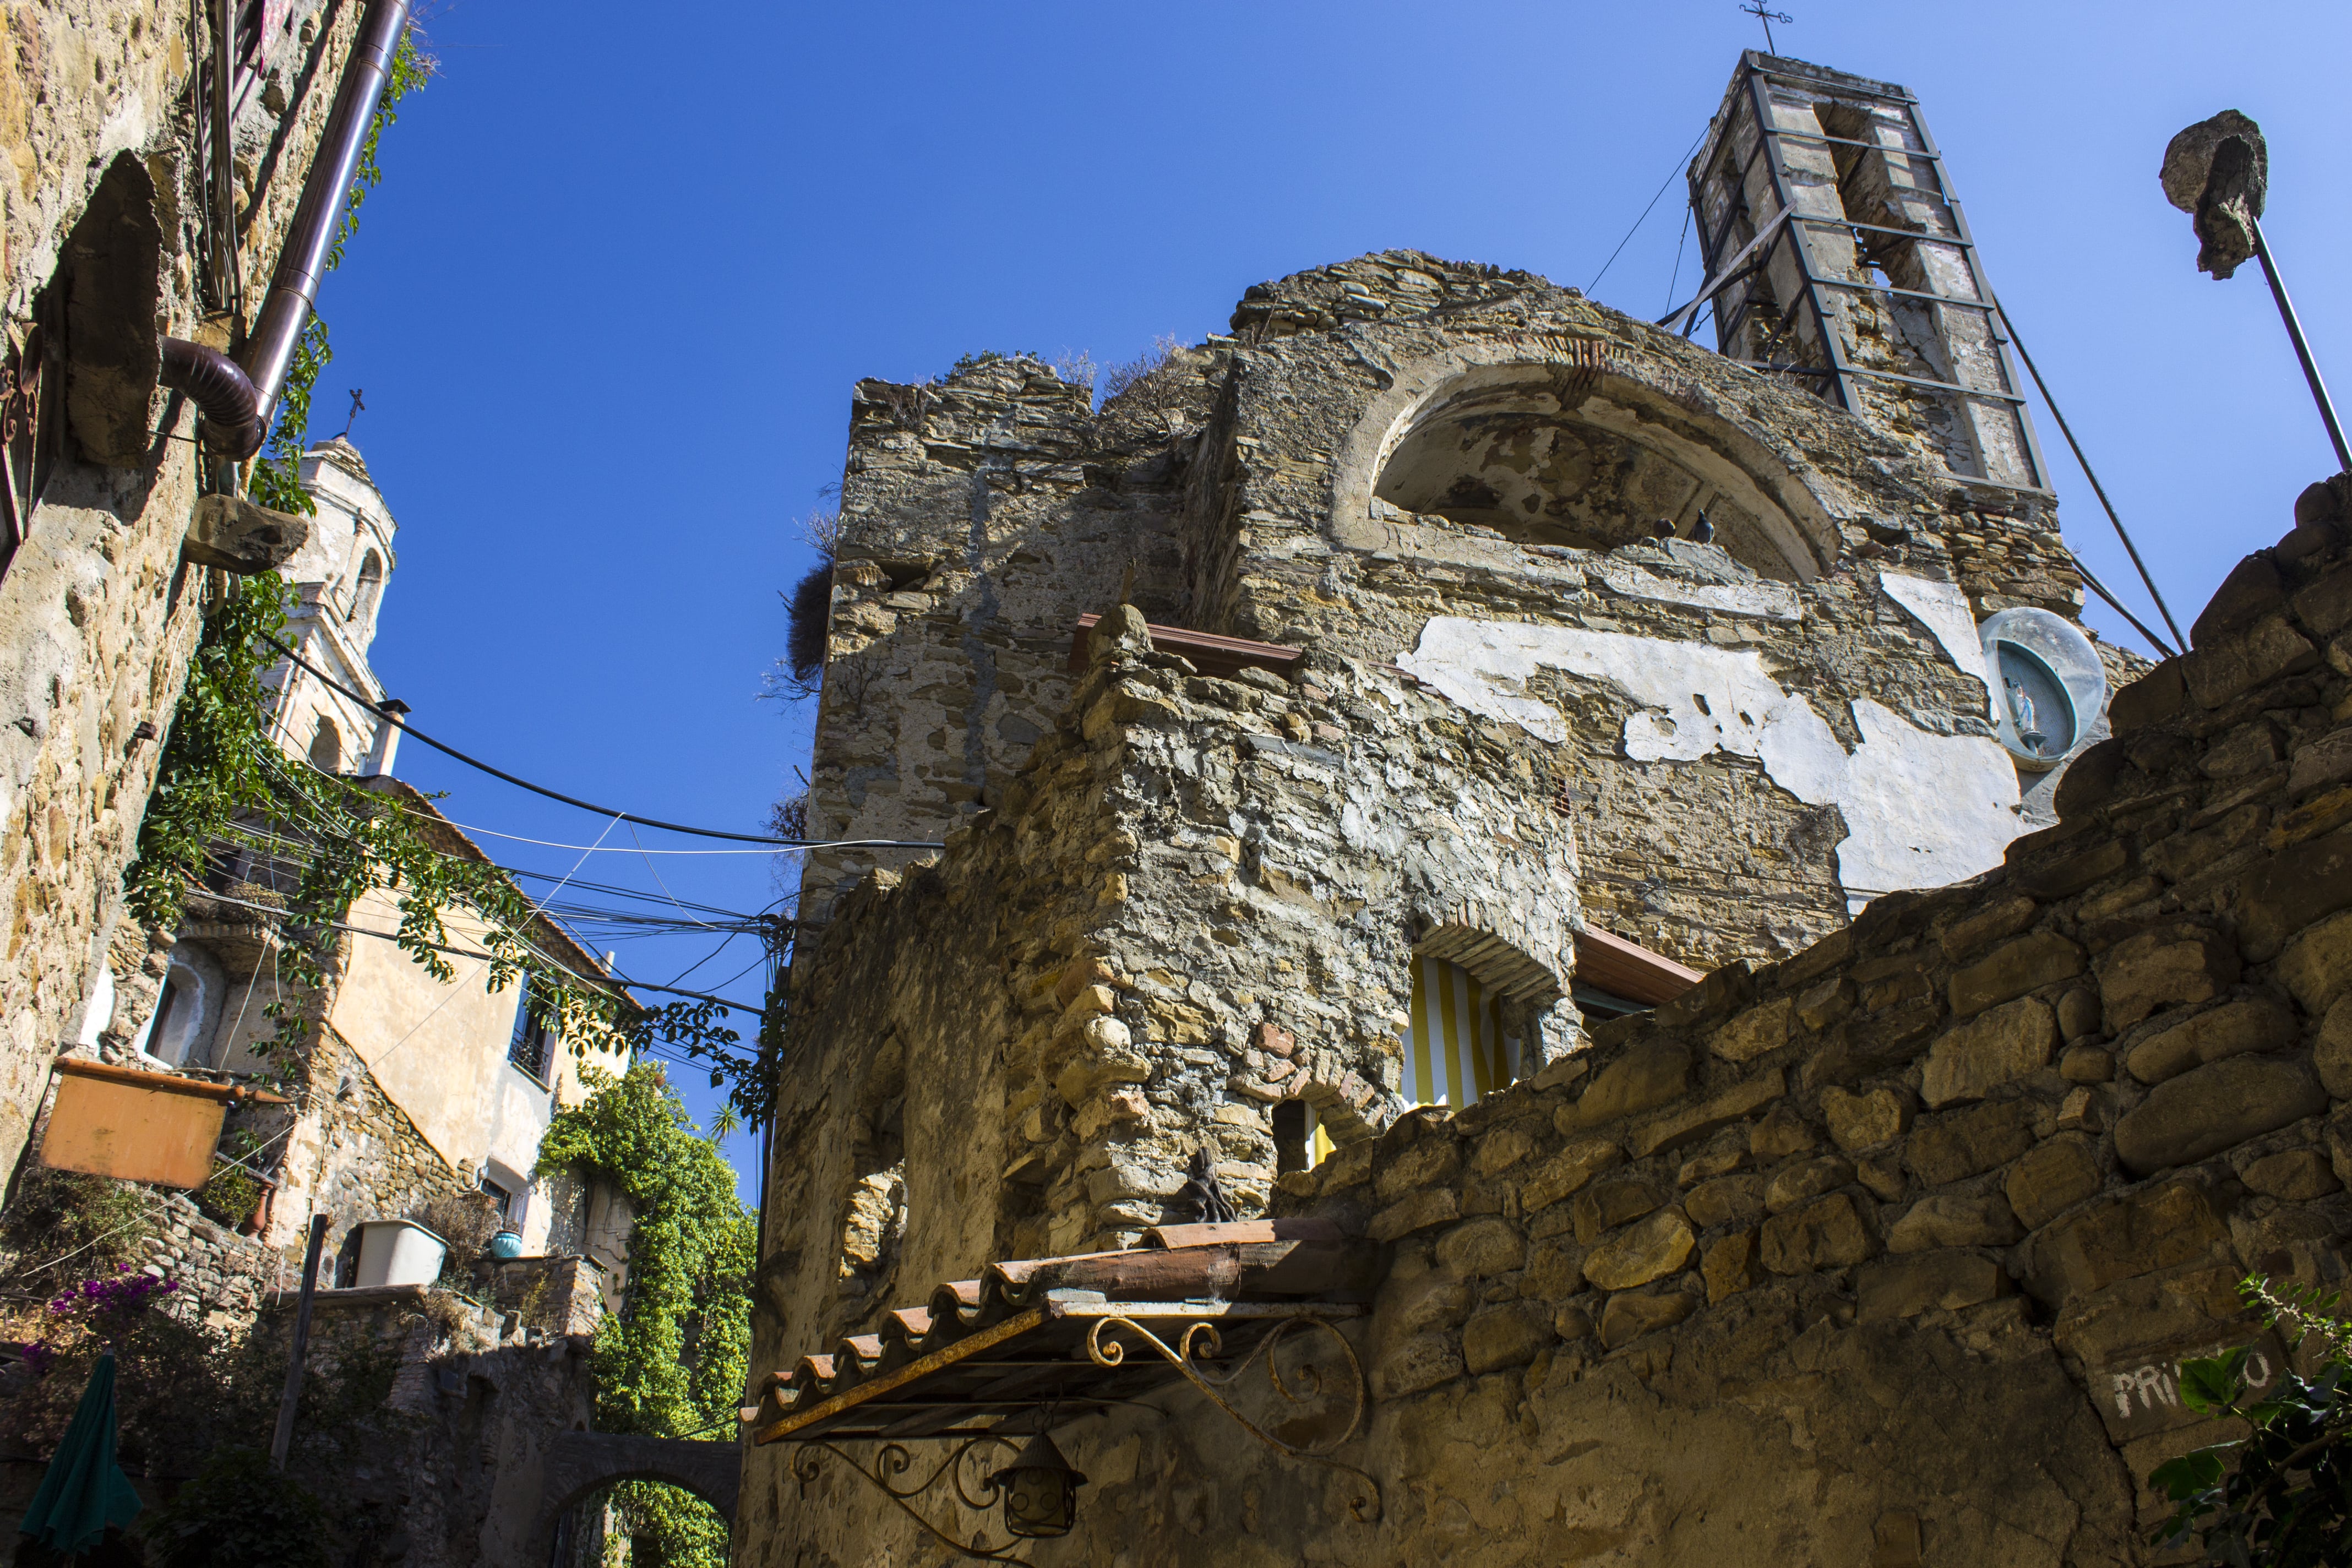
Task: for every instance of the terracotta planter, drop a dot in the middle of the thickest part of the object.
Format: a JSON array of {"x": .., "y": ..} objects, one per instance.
[{"x": 138, "y": 1126}]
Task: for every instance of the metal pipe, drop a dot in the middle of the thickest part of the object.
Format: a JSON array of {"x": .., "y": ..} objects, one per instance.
[
  {"x": 2301, "y": 349},
  {"x": 269, "y": 352},
  {"x": 2181, "y": 644},
  {"x": 233, "y": 423}
]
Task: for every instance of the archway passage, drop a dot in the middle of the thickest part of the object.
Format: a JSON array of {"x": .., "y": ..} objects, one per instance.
[
  {"x": 1542, "y": 457},
  {"x": 578, "y": 1465}
]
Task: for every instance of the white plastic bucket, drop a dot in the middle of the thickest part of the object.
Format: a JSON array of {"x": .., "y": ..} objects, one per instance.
[{"x": 399, "y": 1252}]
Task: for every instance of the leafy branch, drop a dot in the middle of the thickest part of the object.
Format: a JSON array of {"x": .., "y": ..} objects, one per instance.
[
  {"x": 2282, "y": 1496},
  {"x": 672, "y": 1363},
  {"x": 275, "y": 478},
  {"x": 224, "y": 791}
]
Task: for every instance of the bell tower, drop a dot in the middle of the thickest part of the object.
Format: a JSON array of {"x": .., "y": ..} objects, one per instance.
[{"x": 1838, "y": 257}]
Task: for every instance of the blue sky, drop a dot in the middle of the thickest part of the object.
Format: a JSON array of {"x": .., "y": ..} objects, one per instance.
[{"x": 627, "y": 261}]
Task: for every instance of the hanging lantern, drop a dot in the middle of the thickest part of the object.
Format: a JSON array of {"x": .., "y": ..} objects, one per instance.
[{"x": 1040, "y": 1491}]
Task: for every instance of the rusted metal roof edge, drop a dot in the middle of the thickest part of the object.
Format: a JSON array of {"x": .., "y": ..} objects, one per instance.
[{"x": 971, "y": 1344}]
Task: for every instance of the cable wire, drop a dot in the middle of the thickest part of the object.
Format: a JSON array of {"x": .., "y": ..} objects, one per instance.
[
  {"x": 285, "y": 916},
  {"x": 407, "y": 729},
  {"x": 1680, "y": 163},
  {"x": 2179, "y": 643}
]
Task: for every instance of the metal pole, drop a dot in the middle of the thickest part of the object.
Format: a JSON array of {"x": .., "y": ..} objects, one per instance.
[
  {"x": 2181, "y": 643},
  {"x": 2301, "y": 349},
  {"x": 295, "y": 1359}
]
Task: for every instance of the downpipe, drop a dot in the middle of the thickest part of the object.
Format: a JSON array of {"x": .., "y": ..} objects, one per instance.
[{"x": 239, "y": 398}]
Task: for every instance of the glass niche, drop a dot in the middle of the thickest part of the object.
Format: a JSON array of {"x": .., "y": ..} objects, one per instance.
[{"x": 2049, "y": 686}]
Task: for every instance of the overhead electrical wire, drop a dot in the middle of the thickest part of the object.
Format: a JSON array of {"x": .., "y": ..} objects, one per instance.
[
  {"x": 476, "y": 763},
  {"x": 287, "y": 917}
]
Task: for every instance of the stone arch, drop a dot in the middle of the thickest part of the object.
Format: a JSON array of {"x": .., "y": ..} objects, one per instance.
[
  {"x": 578, "y": 1465},
  {"x": 188, "y": 1009},
  {"x": 1584, "y": 442}
]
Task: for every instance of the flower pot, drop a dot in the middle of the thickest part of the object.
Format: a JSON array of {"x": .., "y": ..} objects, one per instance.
[
  {"x": 506, "y": 1247},
  {"x": 399, "y": 1252}
]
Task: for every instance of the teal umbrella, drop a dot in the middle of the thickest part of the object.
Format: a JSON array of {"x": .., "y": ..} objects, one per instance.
[{"x": 85, "y": 1490}]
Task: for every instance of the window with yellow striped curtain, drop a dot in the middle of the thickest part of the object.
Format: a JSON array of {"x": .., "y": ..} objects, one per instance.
[{"x": 1454, "y": 1048}]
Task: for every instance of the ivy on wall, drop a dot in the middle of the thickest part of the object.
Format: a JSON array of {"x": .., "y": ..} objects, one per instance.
[
  {"x": 671, "y": 1363},
  {"x": 223, "y": 786}
]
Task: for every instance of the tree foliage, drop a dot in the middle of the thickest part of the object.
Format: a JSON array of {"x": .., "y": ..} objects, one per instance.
[
  {"x": 222, "y": 782},
  {"x": 671, "y": 1363},
  {"x": 2279, "y": 1497}
]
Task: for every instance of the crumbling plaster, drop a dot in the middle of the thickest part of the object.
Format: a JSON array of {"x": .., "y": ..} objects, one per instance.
[{"x": 1692, "y": 700}]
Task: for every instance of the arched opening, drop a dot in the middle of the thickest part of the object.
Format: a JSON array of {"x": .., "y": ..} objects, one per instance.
[
  {"x": 1544, "y": 455},
  {"x": 1457, "y": 1048},
  {"x": 367, "y": 589},
  {"x": 326, "y": 747},
  {"x": 186, "y": 1010}
]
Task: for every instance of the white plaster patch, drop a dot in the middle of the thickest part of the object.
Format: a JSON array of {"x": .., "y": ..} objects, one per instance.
[
  {"x": 1777, "y": 600},
  {"x": 1943, "y": 609},
  {"x": 1921, "y": 810},
  {"x": 127, "y": 127}
]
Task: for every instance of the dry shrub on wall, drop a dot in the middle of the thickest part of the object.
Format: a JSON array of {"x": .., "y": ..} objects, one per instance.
[
  {"x": 65, "y": 1226},
  {"x": 1159, "y": 384},
  {"x": 466, "y": 1221}
]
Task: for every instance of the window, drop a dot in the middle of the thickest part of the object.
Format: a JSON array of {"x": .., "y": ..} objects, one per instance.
[
  {"x": 327, "y": 748},
  {"x": 178, "y": 1031},
  {"x": 1301, "y": 1141},
  {"x": 500, "y": 1196},
  {"x": 532, "y": 1048},
  {"x": 367, "y": 590},
  {"x": 158, "y": 1028},
  {"x": 509, "y": 1189},
  {"x": 1454, "y": 1048}
]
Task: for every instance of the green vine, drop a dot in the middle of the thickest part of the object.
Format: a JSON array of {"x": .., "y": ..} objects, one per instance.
[
  {"x": 2280, "y": 1494},
  {"x": 223, "y": 786},
  {"x": 671, "y": 1363},
  {"x": 275, "y": 480}
]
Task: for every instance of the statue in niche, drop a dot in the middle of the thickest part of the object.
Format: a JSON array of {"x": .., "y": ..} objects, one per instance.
[{"x": 2021, "y": 710}]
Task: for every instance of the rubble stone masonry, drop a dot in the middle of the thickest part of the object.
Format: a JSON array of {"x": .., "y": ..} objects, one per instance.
[
  {"x": 1887, "y": 1251},
  {"x": 102, "y": 216}
]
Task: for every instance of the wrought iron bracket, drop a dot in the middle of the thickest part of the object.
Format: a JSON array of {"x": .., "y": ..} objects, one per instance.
[
  {"x": 892, "y": 1461},
  {"x": 1199, "y": 1341}
]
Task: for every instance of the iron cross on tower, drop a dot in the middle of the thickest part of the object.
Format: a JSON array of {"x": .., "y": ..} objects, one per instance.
[
  {"x": 358, "y": 407},
  {"x": 1758, "y": 9}
]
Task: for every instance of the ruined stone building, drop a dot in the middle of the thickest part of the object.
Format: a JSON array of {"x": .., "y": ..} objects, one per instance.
[{"x": 1352, "y": 744}]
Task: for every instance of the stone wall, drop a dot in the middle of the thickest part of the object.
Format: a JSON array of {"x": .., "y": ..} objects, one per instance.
[
  {"x": 1459, "y": 470},
  {"x": 222, "y": 1278},
  {"x": 98, "y": 611},
  {"x": 1988, "y": 1163},
  {"x": 352, "y": 1152},
  {"x": 430, "y": 1453},
  {"x": 980, "y": 516},
  {"x": 1886, "y": 1252},
  {"x": 1199, "y": 898}
]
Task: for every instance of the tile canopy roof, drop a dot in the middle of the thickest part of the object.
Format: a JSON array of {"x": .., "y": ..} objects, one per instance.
[{"x": 1015, "y": 1339}]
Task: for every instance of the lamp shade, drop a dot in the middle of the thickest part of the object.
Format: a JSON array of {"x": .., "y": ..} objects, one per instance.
[{"x": 1040, "y": 1491}]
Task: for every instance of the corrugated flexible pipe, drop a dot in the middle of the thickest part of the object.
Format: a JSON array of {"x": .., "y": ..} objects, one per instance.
[
  {"x": 233, "y": 424},
  {"x": 237, "y": 400}
]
